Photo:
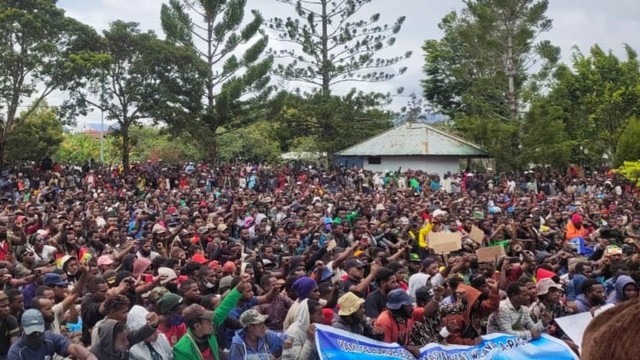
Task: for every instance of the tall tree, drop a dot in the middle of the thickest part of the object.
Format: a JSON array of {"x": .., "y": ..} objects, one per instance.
[
  {"x": 488, "y": 67},
  {"x": 336, "y": 45},
  {"x": 38, "y": 135},
  {"x": 238, "y": 79},
  {"x": 41, "y": 51},
  {"x": 144, "y": 78},
  {"x": 595, "y": 97}
]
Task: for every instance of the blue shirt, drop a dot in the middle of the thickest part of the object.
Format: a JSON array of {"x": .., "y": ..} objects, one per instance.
[{"x": 53, "y": 344}]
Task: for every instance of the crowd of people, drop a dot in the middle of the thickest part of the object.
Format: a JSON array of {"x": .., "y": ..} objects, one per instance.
[{"x": 242, "y": 261}]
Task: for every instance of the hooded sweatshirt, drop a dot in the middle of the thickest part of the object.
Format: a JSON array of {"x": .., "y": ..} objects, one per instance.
[
  {"x": 142, "y": 351},
  {"x": 617, "y": 296},
  {"x": 302, "y": 348},
  {"x": 104, "y": 348}
]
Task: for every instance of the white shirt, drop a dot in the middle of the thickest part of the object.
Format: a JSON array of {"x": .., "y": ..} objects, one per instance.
[{"x": 48, "y": 253}]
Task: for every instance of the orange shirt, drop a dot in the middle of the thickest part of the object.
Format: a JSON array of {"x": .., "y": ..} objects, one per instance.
[
  {"x": 573, "y": 232},
  {"x": 394, "y": 331}
]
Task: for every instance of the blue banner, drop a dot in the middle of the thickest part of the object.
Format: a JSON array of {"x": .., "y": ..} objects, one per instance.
[{"x": 337, "y": 344}]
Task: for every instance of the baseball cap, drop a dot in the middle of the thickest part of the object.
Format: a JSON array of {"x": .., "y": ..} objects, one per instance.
[
  {"x": 53, "y": 279},
  {"x": 228, "y": 267},
  {"x": 196, "y": 312},
  {"x": 32, "y": 321},
  {"x": 169, "y": 302},
  {"x": 157, "y": 293},
  {"x": 105, "y": 260},
  {"x": 351, "y": 263},
  {"x": 222, "y": 227},
  {"x": 251, "y": 317},
  {"x": 414, "y": 257},
  {"x": 543, "y": 286},
  {"x": 349, "y": 303},
  {"x": 171, "y": 274},
  {"x": 398, "y": 298},
  {"x": 199, "y": 258},
  {"x": 203, "y": 230}
]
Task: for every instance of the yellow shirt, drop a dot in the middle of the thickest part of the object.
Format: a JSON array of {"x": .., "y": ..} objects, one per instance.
[{"x": 422, "y": 235}]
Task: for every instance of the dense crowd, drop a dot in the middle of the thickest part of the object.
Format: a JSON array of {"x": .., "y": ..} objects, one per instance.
[{"x": 242, "y": 261}]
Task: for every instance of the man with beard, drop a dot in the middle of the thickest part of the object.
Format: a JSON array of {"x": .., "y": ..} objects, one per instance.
[
  {"x": 146, "y": 252},
  {"x": 92, "y": 307},
  {"x": 396, "y": 321},
  {"x": 376, "y": 301},
  {"x": 9, "y": 328},
  {"x": 513, "y": 316},
  {"x": 591, "y": 297},
  {"x": 36, "y": 343}
]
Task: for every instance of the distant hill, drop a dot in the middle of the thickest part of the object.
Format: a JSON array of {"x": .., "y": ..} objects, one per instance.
[{"x": 424, "y": 117}]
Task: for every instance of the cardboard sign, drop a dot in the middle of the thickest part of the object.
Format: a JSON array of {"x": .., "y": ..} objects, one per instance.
[
  {"x": 444, "y": 243},
  {"x": 476, "y": 235},
  {"x": 331, "y": 245},
  {"x": 490, "y": 254}
]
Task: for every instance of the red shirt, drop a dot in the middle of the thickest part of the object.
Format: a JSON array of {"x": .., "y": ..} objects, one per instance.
[{"x": 173, "y": 333}]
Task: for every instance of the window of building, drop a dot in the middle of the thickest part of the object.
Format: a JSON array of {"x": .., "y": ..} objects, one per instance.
[{"x": 375, "y": 160}]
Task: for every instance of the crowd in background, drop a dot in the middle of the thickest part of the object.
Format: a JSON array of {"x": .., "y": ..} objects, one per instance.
[{"x": 242, "y": 261}]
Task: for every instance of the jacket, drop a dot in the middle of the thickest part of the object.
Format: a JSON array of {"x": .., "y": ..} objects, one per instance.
[
  {"x": 104, "y": 349},
  {"x": 136, "y": 319},
  {"x": 302, "y": 348},
  {"x": 186, "y": 348},
  {"x": 269, "y": 346},
  {"x": 618, "y": 295}
]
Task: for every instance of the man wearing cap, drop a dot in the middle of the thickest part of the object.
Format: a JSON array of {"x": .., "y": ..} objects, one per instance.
[
  {"x": 62, "y": 302},
  {"x": 351, "y": 317},
  {"x": 397, "y": 320},
  {"x": 254, "y": 340},
  {"x": 548, "y": 307},
  {"x": 200, "y": 341},
  {"x": 356, "y": 282},
  {"x": 36, "y": 343}
]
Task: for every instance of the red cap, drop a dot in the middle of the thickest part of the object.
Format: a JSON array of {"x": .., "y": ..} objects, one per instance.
[
  {"x": 199, "y": 258},
  {"x": 214, "y": 264},
  {"x": 544, "y": 274}
]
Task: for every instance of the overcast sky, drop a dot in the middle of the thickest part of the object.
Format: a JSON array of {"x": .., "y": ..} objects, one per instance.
[{"x": 580, "y": 23}]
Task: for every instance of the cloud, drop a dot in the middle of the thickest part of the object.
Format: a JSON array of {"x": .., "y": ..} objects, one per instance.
[{"x": 576, "y": 22}]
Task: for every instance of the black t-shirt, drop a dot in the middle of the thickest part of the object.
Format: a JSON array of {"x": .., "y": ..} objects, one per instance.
[
  {"x": 374, "y": 304},
  {"x": 8, "y": 328}
]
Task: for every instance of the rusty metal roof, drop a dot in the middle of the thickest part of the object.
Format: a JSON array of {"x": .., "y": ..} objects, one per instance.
[{"x": 415, "y": 139}]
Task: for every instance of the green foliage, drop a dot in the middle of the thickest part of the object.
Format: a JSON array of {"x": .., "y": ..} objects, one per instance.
[
  {"x": 628, "y": 146},
  {"x": 333, "y": 122},
  {"x": 596, "y": 96},
  {"x": 630, "y": 170},
  {"x": 78, "y": 148},
  {"x": 41, "y": 51},
  {"x": 480, "y": 73},
  {"x": 35, "y": 136},
  {"x": 544, "y": 137},
  {"x": 144, "y": 77},
  {"x": 236, "y": 83},
  {"x": 146, "y": 143},
  {"x": 482, "y": 65},
  {"x": 335, "y": 46},
  {"x": 256, "y": 142}
]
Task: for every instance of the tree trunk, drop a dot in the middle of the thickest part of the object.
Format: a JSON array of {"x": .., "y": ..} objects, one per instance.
[
  {"x": 512, "y": 98},
  {"x": 2, "y": 146},
  {"x": 326, "y": 64},
  {"x": 213, "y": 148},
  {"x": 125, "y": 149}
]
